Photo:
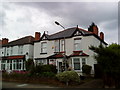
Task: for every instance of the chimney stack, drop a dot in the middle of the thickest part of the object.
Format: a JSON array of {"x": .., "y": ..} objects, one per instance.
[
  {"x": 37, "y": 36},
  {"x": 102, "y": 35},
  {"x": 5, "y": 41},
  {"x": 93, "y": 28}
]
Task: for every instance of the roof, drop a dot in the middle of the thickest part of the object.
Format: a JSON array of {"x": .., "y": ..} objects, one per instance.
[
  {"x": 56, "y": 55},
  {"x": 21, "y": 41},
  {"x": 67, "y": 33},
  {"x": 78, "y": 53},
  {"x": 13, "y": 57}
]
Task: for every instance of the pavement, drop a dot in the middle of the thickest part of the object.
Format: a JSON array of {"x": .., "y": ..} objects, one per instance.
[{"x": 96, "y": 83}]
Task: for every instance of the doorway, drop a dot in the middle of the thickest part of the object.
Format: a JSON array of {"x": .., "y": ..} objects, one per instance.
[{"x": 59, "y": 67}]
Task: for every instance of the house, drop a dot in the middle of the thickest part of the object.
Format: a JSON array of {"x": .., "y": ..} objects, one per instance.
[
  {"x": 68, "y": 48},
  {"x": 15, "y": 53}
]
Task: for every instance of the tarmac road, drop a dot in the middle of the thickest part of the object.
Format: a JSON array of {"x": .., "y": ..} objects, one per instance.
[{"x": 23, "y": 85}]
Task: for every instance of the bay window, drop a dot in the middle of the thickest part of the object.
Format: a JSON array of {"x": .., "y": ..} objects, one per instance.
[{"x": 78, "y": 63}]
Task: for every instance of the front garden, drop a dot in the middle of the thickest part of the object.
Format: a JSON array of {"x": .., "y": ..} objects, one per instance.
[{"x": 46, "y": 74}]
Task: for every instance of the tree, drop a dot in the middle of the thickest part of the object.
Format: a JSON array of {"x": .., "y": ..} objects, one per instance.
[
  {"x": 29, "y": 64},
  {"x": 109, "y": 59}
]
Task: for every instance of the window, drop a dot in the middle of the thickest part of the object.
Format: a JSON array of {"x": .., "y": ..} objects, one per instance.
[
  {"x": 77, "y": 44},
  {"x": 62, "y": 45},
  {"x": 83, "y": 61},
  {"x": 3, "y": 63},
  {"x": 76, "y": 63},
  {"x": 11, "y": 50},
  {"x": 20, "y": 49},
  {"x": 7, "y": 51},
  {"x": 43, "y": 47},
  {"x": 56, "y": 45}
]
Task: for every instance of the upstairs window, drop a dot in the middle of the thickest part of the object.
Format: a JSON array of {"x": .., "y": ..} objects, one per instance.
[
  {"x": 77, "y": 42},
  {"x": 62, "y": 45},
  {"x": 57, "y": 46},
  {"x": 20, "y": 49},
  {"x": 43, "y": 47},
  {"x": 11, "y": 50},
  {"x": 7, "y": 51}
]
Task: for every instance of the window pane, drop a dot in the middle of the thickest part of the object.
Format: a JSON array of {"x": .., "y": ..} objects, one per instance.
[
  {"x": 76, "y": 64},
  {"x": 56, "y": 46},
  {"x": 44, "y": 47},
  {"x": 83, "y": 61},
  {"x": 77, "y": 44},
  {"x": 62, "y": 45}
]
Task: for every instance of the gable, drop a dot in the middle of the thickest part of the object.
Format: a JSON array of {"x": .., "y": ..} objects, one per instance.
[
  {"x": 44, "y": 38},
  {"x": 77, "y": 32}
]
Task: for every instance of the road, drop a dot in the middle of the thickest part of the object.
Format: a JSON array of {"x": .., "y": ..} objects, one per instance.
[{"x": 23, "y": 85}]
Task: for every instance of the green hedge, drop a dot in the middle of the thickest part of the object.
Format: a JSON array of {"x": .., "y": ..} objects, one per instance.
[{"x": 44, "y": 70}]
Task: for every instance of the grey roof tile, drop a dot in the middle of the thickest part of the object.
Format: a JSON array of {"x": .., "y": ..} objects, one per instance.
[{"x": 21, "y": 41}]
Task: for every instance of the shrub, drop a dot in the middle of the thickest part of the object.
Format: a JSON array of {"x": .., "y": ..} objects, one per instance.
[
  {"x": 48, "y": 74},
  {"x": 48, "y": 68},
  {"x": 43, "y": 68},
  {"x": 68, "y": 76},
  {"x": 86, "y": 69},
  {"x": 29, "y": 64}
]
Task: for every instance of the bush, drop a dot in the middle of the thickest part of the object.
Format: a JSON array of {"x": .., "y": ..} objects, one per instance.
[
  {"x": 29, "y": 64},
  {"x": 86, "y": 69},
  {"x": 44, "y": 68},
  {"x": 48, "y": 74},
  {"x": 68, "y": 76},
  {"x": 43, "y": 71},
  {"x": 48, "y": 68}
]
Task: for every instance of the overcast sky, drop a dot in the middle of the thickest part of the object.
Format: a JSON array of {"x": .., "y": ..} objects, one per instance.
[{"x": 21, "y": 19}]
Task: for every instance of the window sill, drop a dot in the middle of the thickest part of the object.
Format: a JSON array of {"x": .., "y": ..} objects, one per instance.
[{"x": 43, "y": 53}]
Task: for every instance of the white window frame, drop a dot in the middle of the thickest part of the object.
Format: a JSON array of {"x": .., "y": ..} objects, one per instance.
[
  {"x": 77, "y": 42},
  {"x": 20, "y": 49},
  {"x": 62, "y": 45},
  {"x": 80, "y": 59},
  {"x": 43, "y": 47},
  {"x": 11, "y": 52},
  {"x": 56, "y": 43},
  {"x": 77, "y": 62}
]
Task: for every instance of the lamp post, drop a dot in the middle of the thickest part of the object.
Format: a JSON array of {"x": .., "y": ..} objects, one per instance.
[{"x": 64, "y": 45}]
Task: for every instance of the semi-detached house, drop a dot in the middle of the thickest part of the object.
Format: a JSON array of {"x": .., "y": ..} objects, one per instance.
[
  {"x": 15, "y": 53},
  {"x": 70, "y": 45}
]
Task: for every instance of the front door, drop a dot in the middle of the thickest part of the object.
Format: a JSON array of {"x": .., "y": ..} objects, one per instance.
[{"x": 59, "y": 67}]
